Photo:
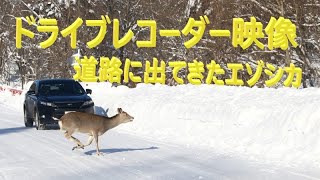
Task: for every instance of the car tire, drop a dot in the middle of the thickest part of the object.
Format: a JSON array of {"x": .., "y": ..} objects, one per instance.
[
  {"x": 90, "y": 110},
  {"x": 38, "y": 125},
  {"x": 28, "y": 122}
]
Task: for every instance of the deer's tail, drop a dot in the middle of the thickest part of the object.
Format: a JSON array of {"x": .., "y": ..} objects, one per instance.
[{"x": 59, "y": 122}]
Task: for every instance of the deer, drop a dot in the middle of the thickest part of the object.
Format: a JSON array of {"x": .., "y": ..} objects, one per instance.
[{"x": 91, "y": 124}]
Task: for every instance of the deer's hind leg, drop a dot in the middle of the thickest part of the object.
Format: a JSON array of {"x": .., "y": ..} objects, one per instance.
[{"x": 68, "y": 135}]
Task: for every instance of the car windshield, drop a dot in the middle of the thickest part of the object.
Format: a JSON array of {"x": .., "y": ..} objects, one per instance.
[{"x": 64, "y": 88}]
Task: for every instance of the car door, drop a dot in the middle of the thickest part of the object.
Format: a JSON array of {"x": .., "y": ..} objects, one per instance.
[{"x": 30, "y": 100}]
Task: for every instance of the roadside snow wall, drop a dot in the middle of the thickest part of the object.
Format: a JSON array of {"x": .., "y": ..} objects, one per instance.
[{"x": 280, "y": 125}]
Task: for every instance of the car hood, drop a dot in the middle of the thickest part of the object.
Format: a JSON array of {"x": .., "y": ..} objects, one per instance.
[{"x": 81, "y": 98}]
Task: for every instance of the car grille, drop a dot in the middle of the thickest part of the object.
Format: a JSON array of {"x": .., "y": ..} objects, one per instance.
[{"x": 69, "y": 104}]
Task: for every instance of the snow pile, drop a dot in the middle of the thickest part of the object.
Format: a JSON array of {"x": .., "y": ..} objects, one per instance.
[
  {"x": 280, "y": 125},
  {"x": 14, "y": 101}
]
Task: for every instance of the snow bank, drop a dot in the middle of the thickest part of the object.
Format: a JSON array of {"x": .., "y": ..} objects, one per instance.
[
  {"x": 14, "y": 100},
  {"x": 280, "y": 125}
]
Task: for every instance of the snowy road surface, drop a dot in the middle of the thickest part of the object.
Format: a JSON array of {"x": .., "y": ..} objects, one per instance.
[{"x": 26, "y": 153}]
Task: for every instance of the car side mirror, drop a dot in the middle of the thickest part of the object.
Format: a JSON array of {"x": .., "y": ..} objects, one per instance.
[
  {"x": 89, "y": 91},
  {"x": 31, "y": 92}
]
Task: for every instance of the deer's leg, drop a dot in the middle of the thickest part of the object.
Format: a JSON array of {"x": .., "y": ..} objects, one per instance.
[
  {"x": 90, "y": 139},
  {"x": 68, "y": 135},
  {"x": 95, "y": 136}
]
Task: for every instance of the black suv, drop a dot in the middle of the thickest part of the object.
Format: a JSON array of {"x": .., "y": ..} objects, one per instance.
[{"x": 52, "y": 98}]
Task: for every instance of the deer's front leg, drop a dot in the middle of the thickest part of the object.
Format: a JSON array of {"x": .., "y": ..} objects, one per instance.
[
  {"x": 90, "y": 139},
  {"x": 95, "y": 135},
  {"x": 78, "y": 147}
]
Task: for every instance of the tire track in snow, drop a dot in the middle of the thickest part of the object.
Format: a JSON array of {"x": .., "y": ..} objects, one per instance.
[
  {"x": 56, "y": 146},
  {"x": 44, "y": 137},
  {"x": 171, "y": 161}
]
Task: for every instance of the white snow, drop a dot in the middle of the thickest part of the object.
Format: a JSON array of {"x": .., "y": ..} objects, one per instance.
[
  {"x": 182, "y": 132},
  {"x": 278, "y": 125}
]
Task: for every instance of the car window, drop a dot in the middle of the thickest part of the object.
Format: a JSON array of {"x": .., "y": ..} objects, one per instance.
[
  {"x": 78, "y": 88},
  {"x": 66, "y": 88},
  {"x": 33, "y": 87}
]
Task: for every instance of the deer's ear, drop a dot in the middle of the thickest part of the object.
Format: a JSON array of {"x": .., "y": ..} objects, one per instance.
[{"x": 119, "y": 110}]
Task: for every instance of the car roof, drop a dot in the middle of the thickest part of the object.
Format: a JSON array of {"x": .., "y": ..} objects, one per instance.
[{"x": 53, "y": 80}]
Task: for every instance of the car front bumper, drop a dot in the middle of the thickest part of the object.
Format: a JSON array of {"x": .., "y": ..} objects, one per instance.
[{"x": 46, "y": 114}]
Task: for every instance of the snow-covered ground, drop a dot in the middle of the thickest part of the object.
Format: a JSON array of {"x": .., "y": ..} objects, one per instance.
[{"x": 183, "y": 132}]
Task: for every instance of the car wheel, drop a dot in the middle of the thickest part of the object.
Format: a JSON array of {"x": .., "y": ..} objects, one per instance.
[
  {"x": 90, "y": 110},
  {"x": 39, "y": 126},
  {"x": 28, "y": 122}
]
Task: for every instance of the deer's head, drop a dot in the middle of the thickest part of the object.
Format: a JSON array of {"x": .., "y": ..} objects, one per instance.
[{"x": 124, "y": 116}]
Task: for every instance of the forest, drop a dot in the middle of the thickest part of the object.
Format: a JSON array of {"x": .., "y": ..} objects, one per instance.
[{"x": 32, "y": 62}]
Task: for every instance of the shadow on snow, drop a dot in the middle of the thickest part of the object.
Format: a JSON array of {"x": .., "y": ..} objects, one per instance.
[
  {"x": 12, "y": 130},
  {"x": 115, "y": 150}
]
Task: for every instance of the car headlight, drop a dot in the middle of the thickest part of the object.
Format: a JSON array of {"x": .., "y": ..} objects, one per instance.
[
  {"x": 47, "y": 104},
  {"x": 87, "y": 103}
]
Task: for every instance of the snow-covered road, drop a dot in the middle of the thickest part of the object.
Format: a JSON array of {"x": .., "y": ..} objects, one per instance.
[{"x": 26, "y": 153}]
